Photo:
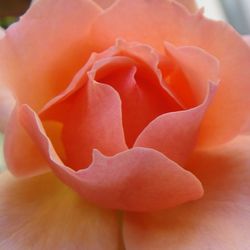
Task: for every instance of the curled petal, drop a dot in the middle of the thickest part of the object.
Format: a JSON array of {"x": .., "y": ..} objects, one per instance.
[
  {"x": 220, "y": 220},
  {"x": 42, "y": 213},
  {"x": 168, "y": 21},
  {"x": 21, "y": 154},
  {"x": 175, "y": 134},
  {"x": 138, "y": 179}
]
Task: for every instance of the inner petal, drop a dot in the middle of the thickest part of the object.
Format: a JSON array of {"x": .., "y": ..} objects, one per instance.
[{"x": 143, "y": 98}]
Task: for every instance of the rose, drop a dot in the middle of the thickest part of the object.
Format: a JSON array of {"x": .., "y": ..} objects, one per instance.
[{"x": 157, "y": 104}]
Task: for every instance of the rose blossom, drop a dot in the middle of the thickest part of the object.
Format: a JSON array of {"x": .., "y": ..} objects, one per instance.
[{"x": 141, "y": 111}]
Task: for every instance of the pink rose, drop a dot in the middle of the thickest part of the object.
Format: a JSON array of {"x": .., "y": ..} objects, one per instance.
[{"x": 136, "y": 106}]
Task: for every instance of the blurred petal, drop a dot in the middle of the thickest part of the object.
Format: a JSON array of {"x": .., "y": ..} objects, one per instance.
[
  {"x": 42, "y": 52},
  {"x": 247, "y": 39},
  {"x": 41, "y": 213},
  {"x": 189, "y": 4},
  {"x": 7, "y": 104},
  {"x": 21, "y": 154},
  {"x": 170, "y": 22},
  {"x": 138, "y": 179},
  {"x": 104, "y": 3},
  {"x": 220, "y": 220}
]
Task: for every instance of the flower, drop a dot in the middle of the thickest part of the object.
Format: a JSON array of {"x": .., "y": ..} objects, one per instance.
[{"x": 138, "y": 108}]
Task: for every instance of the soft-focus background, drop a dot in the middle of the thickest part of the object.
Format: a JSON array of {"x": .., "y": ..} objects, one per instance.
[{"x": 235, "y": 12}]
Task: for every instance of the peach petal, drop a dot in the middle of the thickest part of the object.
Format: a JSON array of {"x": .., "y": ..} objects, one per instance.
[
  {"x": 138, "y": 179},
  {"x": 42, "y": 213},
  {"x": 165, "y": 132},
  {"x": 91, "y": 118},
  {"x": 7, "y": 104},
  {"x": 220, "y": 220},
  {"x": 104, "y": 3},
  {"x": 21, "y": 154},
  {"x": 42, "y": 52},
  {"x": 132, "y": 20},
  {"x": 175, "y": 134}
]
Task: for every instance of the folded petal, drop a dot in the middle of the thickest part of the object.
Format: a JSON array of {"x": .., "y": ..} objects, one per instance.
[
  {"x": 21, "y": 154},
  {"x": 42, "y": 213},
  {"x": 175, "y": 134},
  {"x": 91, "y": 118},
  {"x": 139, "y": 179},
  {"x": 220, "y": 220},
  {"x": 42, "y": 51},
  {"x": 170, "y": 22},
  {"x": 7, "y": 103}
]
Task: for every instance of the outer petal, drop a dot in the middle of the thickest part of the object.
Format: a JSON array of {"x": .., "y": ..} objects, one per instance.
[
  {"x": 42, "y": 52},
  {"x": 21, "y": 154},
  {"x": 7, "y": 103},
  {"x": 219, "y": 221},
  {"x": 41, "y": 213},
  {"x": 152, "y": 25},
  {"x": 139, "y": 179},
  {"x": 189, "y": 4}
]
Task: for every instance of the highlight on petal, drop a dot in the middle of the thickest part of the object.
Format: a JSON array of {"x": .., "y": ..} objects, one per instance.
[
  {"x": 138, "y": 179},
  {"x": 21, "y": 154},
  {"x": 104, "y": 3},
  {"x": 42, "y": 51},
  {"x": 220, "y": 220},
  {"x": 7, "y": 104},
  {"x": 181, "y": 28},
  {"x": 42, "y": 213}
]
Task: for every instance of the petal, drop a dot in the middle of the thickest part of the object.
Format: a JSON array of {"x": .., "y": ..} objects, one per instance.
[
  {"x": 21, "y": 154},
  {"x": 91, "y": 118},
  {"x": 175, "y": 134},
  {"x": 7, "y": 103},
  {"x": 42, "y": 51},
  {"x": 139, "y": 179},
  {"x": 42, "y": 213},
  {"x": 220, "y": 220},
  {"x": 104, "y": 3},
  {"x": 170, "y": 22}
]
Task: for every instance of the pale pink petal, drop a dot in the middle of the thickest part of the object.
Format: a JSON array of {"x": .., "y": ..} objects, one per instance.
[
  {"x": 247, "y": 39},
  {"x": 139, "y": 179},
  {"x": 7, "y": 103},
  {"x": 220, "y": 220},
  {"x": 41, "y": 53},
  {"x": 2, "y": 33},
  {"x": 154, "y": 22},
  {"x": 189, "y": 4},
  {"x": 104, "y": 3},
  {"x": 21, "y": 154},
  {"x": 42, "y": 213}
]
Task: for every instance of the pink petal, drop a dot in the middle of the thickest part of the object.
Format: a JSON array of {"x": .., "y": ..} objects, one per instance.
[
  {"x": 42, "y": 213},
  {"x": 175, "y": 133},
  {"x": 91, "y": 118},
  {"x": 104, "y": 3},
  {"x": 7, "y": 103},
  {"x": 154, "y": 22},
  {"x": 139, "y": 179},
  {"x": 42, "y": 52},
  {"x": 220, "y": 220},
  {"x": 21, "y": 154},
  {"x": 134, "y": 74}
]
